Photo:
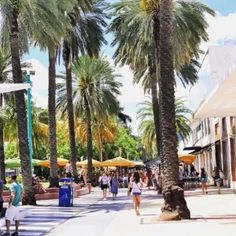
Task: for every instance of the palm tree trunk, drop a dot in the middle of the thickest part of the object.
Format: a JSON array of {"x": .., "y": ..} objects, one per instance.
[
  {"x": 2, "y": 156},
  {"x": 154, "y": 82},
  {"x": 155, "y": 107},
  {"x": 70, "y": 111},
  {"x": 175, "y": 206},
  {"x": 28, "y": 193},
  {"x": 89, "y": 140},
  {"x": 52, "y": 118}
]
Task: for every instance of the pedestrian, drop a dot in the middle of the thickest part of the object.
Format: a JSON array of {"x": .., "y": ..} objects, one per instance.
[
  {"x": 216, "y": 177},
  {"x": 68, "y": 169},
  {"x": 114, "y": 184},
  {"x": 203, "y": 179},
  {"x": 2, "y": 212},
  {"x": 104, "y": 183},
  {"x": 83, "y": 176},
  {"x": 181, "y": 177},
  {"x": 13, "y": 212},
  {"x": 136, "y": 192}
]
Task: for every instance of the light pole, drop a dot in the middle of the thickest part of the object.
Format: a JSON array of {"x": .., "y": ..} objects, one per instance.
[{"x": 29, "y": 115}]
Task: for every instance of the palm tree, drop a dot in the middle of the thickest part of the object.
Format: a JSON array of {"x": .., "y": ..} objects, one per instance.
[
  {"x": 86, "y": 35},
  {"x": 11, "y": 10},
  {"x": 50, "y": 40},
  {"x": 94, "y": 90},
  {"x": 138, "y": 46},
  {"x": 175, "y": 206},
  {"x": 20, "y": 19},
  {"x": 147, "y": 128}
]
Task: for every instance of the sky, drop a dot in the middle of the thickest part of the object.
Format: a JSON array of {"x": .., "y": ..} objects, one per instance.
[{"x": 221, "y": 29}]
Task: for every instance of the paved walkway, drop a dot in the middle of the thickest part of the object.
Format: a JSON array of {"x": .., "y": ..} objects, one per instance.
[
  {"x": 47, "y": 215},
  {"x": 212, "y": 214}
]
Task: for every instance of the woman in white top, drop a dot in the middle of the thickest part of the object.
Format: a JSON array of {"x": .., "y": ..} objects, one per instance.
[
  {"x": 136, "y": 192},
  {"x": 104, "y": 183}
]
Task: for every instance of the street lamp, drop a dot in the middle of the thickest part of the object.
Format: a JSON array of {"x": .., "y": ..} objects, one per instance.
[{"x": 27, "y": 74}]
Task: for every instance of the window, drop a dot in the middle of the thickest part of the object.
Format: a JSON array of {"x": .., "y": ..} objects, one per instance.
[{"x": 217, "y": 131}]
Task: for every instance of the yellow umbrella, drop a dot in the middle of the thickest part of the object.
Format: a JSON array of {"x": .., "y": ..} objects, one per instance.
[
  {"x": 118, "y": 161},
  {"x": 61, "y": 162},
  {"x": 85, "y": 163},
  {"x": 186, "y": 158}
]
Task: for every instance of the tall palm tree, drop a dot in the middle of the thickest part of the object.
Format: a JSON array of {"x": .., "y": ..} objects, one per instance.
[
  {"x": 11, "y": 10},
  {"x": 58, "y": 24},
  {"x": 147, "y": 128},
  {"x": 85, "y": 35},
  {"x": 20, "y": 19},
  {"x": 175, "y": 205},
  {"x": 94, "y": 90}
]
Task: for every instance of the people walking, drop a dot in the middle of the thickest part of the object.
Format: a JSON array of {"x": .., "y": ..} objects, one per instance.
[
  {"x": 203, "y": 179},
  {"x": 83, "y": 176},
  {"x": 114, "y": 183},
  {"x": 217, "y": 178},
  {"x": 104, "y": 183},
  {"x": 136, "y": 192},
  {"x": 68, "y": 170},
  {"x": 13, "y": 212}
]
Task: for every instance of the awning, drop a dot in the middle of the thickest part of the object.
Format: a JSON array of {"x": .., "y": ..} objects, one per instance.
[
  {"x": 222, "y": 100},
  {"x": 7, "y": 88}
]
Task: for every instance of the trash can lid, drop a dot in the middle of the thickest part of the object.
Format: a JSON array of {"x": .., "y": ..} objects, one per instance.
[{"x": 66, "y": 180}]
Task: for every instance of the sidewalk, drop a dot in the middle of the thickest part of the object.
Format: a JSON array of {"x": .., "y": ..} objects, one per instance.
[
  {"x": 41, "y": 219},
  {"x": 212, "y": 214}
]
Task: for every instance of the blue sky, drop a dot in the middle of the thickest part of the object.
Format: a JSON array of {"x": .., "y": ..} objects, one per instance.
[{"x": 223, "y": 6}]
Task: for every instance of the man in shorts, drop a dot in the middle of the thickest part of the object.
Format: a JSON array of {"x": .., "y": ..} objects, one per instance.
[{"x": 13, "y": 212}]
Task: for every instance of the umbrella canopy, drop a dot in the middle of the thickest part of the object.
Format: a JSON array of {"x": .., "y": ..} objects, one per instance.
[
  {"x": 6, "y": 88},
  {"x": 138, "y": 163},
  {"x": 15, "y": 163},
  {"x": 85, "y": 163},
  {"x": 118, "y": 161},
  {"x": 186, "y": 158},
  {"x": 61, "y": 162}
]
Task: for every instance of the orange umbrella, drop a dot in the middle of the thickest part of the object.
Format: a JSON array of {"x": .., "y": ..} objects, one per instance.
[
  {"x": 85, "y": 163},
  {"x": 61, "y": 162},
  {"x": 186, "y": 158},
  {"x": 118, "y": 161}
]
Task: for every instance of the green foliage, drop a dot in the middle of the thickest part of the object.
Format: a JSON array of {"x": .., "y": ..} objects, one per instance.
[
  {"x": 11, "y": 150},
  {"x": 125, "y": 141},
  {"x": 147, "y": 129},
  {"x": 134, "y": 38}
]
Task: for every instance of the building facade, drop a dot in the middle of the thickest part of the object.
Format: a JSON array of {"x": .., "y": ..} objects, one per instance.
[{"x": 214, "y": 121}]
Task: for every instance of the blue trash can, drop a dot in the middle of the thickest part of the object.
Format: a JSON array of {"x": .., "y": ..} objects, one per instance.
[{"x": 66, "y": 193}]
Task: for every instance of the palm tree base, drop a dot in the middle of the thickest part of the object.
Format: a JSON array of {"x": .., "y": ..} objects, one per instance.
[
  {"x": 175, "y": 206},
  {"x": 29, "y": 199}
]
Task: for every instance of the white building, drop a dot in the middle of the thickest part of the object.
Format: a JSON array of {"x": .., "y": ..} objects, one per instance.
[{"x": 213, "y": 127}]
